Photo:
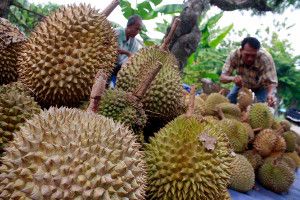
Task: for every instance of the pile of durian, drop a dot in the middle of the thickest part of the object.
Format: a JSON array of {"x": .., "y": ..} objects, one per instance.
[{"x": 147, "y": 139}]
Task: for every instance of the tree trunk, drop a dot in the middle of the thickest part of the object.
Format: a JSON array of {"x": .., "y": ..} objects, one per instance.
[
  {"x": 4, "y": 7},
  {"x": 187, "y": 35}
]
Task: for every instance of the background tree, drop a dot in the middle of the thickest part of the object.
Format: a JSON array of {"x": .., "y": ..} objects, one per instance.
[{"x": 24, "y": 14}]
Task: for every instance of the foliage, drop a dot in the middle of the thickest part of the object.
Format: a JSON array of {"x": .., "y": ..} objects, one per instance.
[
  {"x": 26, "y": 15},
  {"x": 288, "y": 75},
  {"x": 208, "y": 60},
  {"x": 147, "y": 10}
]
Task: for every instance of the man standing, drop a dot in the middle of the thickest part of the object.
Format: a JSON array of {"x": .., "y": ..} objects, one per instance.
[
  {"x": 255, "y": 69},
  {"x": 127, "y": 42}
]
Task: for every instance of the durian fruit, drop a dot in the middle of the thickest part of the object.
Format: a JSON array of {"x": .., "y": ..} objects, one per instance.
[
  {"x": 276, "y": 125},
  {"x": 71, "y": 154},
  {"x": 164, "y": 99},
  {"x": 63, "y": 54},
  {"x": 188, "y": 159},
  {"x": 275, "y": 175},
  {"x": 236, "y": 132},
  {"x": 226, "y": 195},
  {"x": 250, "y": 132},
  {"x": 280, "y": 144},
  {"x": 117, "y": 105},
  {"x": 286, "y": 125},
  {"x": 15, "y": 109},
  {"x": 203, "y": 96},
  {"x": 199, "y": 105},
  {"x": 264, "y": 142},
  {"x": 242, "y": 177},
  {"x": 212, "y": 101},
  {"x": 16, "y": 86},
  {"x": 229, "y": 110},
  {"x": 11, "y": 40},
  {"x": 244, "y": 98},
  {"x": 290, "y": 139},
  {"x": 293, "y": 155},
  {"x": 281, "y": 157},
  {"x": 260, "y": 116},
  {"x": 254, "y": 158}
]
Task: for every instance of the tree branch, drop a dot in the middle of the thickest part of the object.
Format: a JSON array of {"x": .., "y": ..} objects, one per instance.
[
  {"x": 229, "y": 5},
  {"x": 18, "y": 5}
]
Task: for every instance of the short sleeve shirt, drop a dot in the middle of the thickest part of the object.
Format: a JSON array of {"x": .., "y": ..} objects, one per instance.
[
  {"x": 261, "y": 74},
  {"x": 131, "y": 45}
]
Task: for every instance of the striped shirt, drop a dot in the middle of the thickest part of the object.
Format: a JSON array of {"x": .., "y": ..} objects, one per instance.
[
  {"x": 261, "y": 74},
  {"x": 131, "y": 45}
]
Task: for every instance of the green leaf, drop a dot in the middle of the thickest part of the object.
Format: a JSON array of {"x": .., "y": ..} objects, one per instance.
[
  {"x": 156, "y": 2},
  {"x": 170, "y": 9},
  {"x": 215, "y": 42},
  {"x": 127, "y": 9}
]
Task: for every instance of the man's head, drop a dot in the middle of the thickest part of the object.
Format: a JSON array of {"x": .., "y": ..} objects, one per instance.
[
  {"x": 134, "y": 26},
  {"x": 249, "y": 48}
]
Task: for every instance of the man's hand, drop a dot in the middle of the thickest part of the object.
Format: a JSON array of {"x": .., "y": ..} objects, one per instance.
[
  {"x": 238, "y": 81},
  {"x": 271, "y": 99}
]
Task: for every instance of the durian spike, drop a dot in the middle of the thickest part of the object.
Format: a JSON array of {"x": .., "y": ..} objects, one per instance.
[
  {"x": 97, "y": 90},
  {"x": 191, "y": 107},
  {"x": 170, "y": 35},
  {"x": 110, "y": 7},
  {"x": 141, "y": 90}
]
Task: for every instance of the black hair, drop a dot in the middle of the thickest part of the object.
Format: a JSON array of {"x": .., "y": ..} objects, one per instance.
[
  {"x": 133, "y": 19},
  {"x": 252, "y": 41}
]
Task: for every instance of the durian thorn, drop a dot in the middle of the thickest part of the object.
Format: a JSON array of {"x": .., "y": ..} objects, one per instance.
[
  {"x": 168, "y": 38},
  {"x": 191, "y": 106},
  {"x": 106, "y": 12},
  {"x": 141, "y": 90}
]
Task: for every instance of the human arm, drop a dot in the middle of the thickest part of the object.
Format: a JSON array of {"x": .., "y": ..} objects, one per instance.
[
  {"x": 229, "y": 66},
  {"x": 127, "y": 53}
]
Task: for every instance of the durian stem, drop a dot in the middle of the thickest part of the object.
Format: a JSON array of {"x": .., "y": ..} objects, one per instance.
[
  {"x": 191, "y": 108},
  {"x": 220, "y": 113},
  {"x": 110, "y": 7},
  {"x": 145, "y": 84},
  {"x": 170, "y": 35},
  {"x": 97, "y": 91},
  {"x": 257, "y": 129}
]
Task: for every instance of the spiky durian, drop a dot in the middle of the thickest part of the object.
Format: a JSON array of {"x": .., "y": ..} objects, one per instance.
[
  {"x": 164, "y": 98},
  {"x": 242, "y": 177},
  {"x": 122, "y": 107},
  {"x": 280, "y": 144},
  {"x": 244, "y": 98},
  {"x": 15, "y": 109},
  {"x": 293, "y": 155},
  {"x": 264, "y": 142},
  {"x": 286, "y": 125},
  {"x": 199, "y": 105},
  {"x": 276, "y": 176},
  {"x": 290, "y": 139},
  {"x": 282, "y": 157},
  {"x": 250, "y": 132},
  {"x": 236, "y": 132},
  {"x": 212, "y": 101},
  {"x": 229, "y": 110},
  {"x": 11, "y": 40},
  {"x": 16, "y": 86},
  {"x": 226, "y": 195},
  {"x": 203, "y": 96},
  {"x": 254, "y": 158},
  {"x": 260, "y": 116},
  {"x": 71, "y": 154},
  {"x": 188, "y": 159},
  {"x": 63, "y": 54}
]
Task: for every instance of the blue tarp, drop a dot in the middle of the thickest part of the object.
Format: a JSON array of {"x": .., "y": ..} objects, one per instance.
[{"x": 261, "y": 193}]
